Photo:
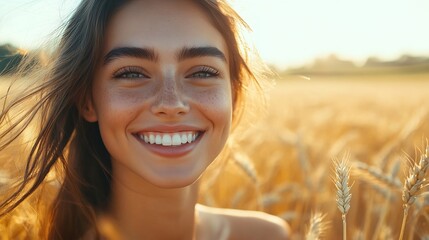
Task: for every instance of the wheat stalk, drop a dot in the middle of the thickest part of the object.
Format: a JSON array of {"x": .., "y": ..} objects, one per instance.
[
  {"x": 342, "y": 175},
  {"x": 381, "y": 227},
  {"x": 374, "y": 174},
  {"x": 275, "y": 196},
  {"x": 247, "y": 166},
  {"x": 317, "y": 227},
  {"x": 412, "y": 185}
]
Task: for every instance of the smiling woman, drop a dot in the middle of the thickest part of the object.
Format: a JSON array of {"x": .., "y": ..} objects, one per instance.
[{"x": 139, "y": 100}]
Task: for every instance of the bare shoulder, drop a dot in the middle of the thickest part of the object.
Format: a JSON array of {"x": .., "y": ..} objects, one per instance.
[{"x": 242, "y": 224}]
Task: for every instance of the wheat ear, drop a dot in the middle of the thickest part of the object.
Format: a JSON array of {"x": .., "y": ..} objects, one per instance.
[
  {"x": 413, "y": 183},
  {"x": 317, "y": 227},
  {"x": 342, "y": 175},
  {"x": 373, "y": 174}
]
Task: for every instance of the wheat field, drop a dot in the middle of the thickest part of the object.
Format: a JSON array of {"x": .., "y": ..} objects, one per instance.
[
  {"x": 284, "y": 163},
  {"x": 381, "y": 123}
]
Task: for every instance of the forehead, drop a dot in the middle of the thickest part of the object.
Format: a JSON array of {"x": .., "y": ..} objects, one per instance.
[{"x": 165, "y": 25}]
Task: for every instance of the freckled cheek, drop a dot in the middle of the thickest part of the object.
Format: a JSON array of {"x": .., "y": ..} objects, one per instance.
[
  {"x": 216, "y": 105},
  {"x": 118, "y": 105}
]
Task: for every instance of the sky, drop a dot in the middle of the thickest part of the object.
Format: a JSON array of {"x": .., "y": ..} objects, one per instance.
[{"x": 287, "y": 33}]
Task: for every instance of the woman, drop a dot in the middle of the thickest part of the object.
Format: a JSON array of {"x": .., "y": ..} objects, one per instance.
[{"x": 138, "y": 103}]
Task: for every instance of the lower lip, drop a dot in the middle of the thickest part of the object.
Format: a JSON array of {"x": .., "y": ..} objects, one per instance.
[{"x": 171, "y": 151}]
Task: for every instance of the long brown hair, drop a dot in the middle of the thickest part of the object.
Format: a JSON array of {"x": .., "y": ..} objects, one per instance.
[{"x": 70, "y": 144}]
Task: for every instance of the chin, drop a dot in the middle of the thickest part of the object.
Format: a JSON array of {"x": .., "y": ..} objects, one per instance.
[{"x": 174, "y": 182}]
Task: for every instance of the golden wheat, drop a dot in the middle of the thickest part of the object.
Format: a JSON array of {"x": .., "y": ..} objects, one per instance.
[
  {"x": 287, "y": 155},
  {"x": 413, "y": 184},
  {"x": 342, "y": 175},
  {"x": 317, "y": 227},
  {"x": 375, "y": 175}
]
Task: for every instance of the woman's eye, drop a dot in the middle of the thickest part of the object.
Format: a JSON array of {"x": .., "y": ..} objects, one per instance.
[
  {"x": 204, "y": 72},
  {"x": 129, "y": 73},
  {"x": 202, "y": 75}
]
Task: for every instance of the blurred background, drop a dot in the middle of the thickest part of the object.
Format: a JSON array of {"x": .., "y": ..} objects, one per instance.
[
  {"x": 288, "y": 34},
  {"x": 352, "y": 77}
]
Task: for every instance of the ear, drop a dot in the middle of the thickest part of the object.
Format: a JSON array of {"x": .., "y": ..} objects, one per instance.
[{"x": 88, "y": 111}]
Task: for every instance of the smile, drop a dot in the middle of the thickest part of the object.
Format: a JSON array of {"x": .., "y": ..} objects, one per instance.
[{"x": 169, "y": 139}]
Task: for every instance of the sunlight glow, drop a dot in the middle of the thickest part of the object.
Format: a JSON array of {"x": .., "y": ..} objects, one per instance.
[
  {"x": 286, "y": 32},
  {"x": 289, "y": 32}
]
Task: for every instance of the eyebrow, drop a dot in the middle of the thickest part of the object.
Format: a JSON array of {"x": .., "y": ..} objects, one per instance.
[
  {"x": 145, "y": 53},
  {"x": 194, "y": 52},
  {"x": 149, "y": 54}
]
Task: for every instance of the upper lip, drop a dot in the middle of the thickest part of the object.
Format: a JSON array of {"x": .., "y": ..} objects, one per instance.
[{"x": 170, "y": 128}]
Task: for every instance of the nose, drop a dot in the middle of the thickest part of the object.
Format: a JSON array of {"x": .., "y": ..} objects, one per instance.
[{"x": 169, "y": 100}]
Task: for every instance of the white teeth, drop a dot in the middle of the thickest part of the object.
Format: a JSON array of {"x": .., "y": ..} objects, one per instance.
[
  {"x": 176, "y": 140},
  {"x": 158, "y": 139},
  {"x": 166, "y": 140},
  {"x": 169, "y": 139},
  {"x": 184, "y": 139}
]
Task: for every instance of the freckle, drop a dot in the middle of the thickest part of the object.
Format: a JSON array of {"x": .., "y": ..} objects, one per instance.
[{"x": 211, "y": 100}]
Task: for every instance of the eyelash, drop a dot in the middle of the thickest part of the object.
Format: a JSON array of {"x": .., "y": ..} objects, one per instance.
[
  {"x": 208, "y": 72},
  {"x": 123, "y": 72}
]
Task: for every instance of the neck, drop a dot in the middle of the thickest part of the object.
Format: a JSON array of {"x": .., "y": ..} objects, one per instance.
[{"x": 140, "y": 210}]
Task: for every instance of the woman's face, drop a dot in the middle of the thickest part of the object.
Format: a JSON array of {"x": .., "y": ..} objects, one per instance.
[{"x": 162, "y": 93}]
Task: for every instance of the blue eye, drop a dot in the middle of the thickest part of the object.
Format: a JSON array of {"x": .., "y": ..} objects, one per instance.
[
  {"x": 204, "y": 72},
  {"x": 130, "y": 73},
  {"x": 202, "y": 75}
]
